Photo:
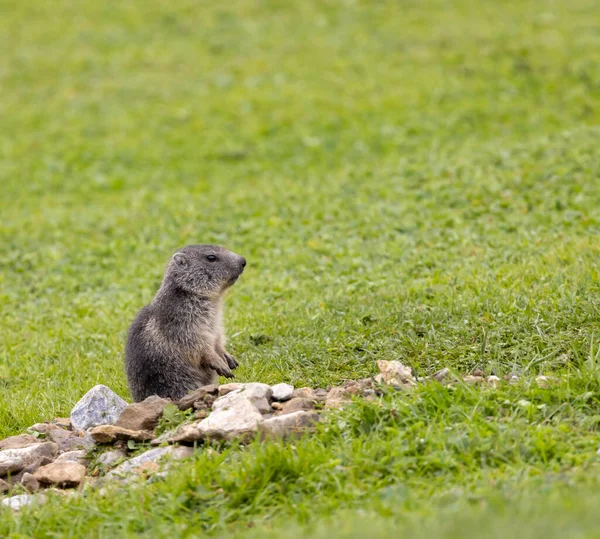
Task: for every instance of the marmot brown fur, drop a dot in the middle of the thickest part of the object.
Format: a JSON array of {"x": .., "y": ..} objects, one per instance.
[{"x": 176, "y": 343}]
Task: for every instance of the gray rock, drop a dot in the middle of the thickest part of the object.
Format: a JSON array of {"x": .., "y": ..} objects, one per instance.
[
  {"x": 79, "y": 456},
  {"x": 282, "y": 392},
  {"x": 75, "y": 443},
  {"x": 199, "y": 397},
  {"x": 30, "y": 483},
  {"x": 142, "y": 415},
  {"x": 22, "y": 500},
  {"x": 61, "y": 474},
  {"x": 128, "y": 468},
  {"x": 294, "y": 424},
  {"x": 99, "y": 406},
  {"x": 304, "y": 393},
  {"x": 14, "y": 460},
  {"x": 111, "y": 458}
]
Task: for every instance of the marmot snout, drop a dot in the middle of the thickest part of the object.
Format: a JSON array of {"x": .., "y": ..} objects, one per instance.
[{"x": 176, "y": 343}]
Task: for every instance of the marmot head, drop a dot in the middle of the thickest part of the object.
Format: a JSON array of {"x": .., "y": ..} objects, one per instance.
[{"x": 204, "y": 269}]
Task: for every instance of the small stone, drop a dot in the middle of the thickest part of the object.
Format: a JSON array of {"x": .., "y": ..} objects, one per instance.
[
  {"x": 395, "y": 373},
  {"x": 21, "y": 500},
  {"x": 105, "y": 434},
  {"x": 30, "y": 483},
  {"x": 277, "y": 406},
  {"x": 478, "y": 372},
  {"x": 199, "y": 395},
  {"x": 61, "y": 474},
  {"x": 200, "y": 414},
  {"x": 79, "y": 456},
  {"x": 304, "y": 393},
  {"x": 228, "y": 388},
  {"x": 147, "y": 468},
  {"x": 99, "y": 406},
  {"x": 42, "y": 428},
  {"x": 142, "y": 415},
  {"x": 14, "y": 460},
  {"x": 297, "y": 404},
  {"x": 294, "y": 424},
  {"x": 63, "y": 422},
  {"x": 352, "y": 388},
  {"x": 16, "y": 442},
  {"x": 337, "y": 397},
  {"x": 282, "y": 392},
  {"x": 111, "y": 458},
  {"x": 369, "y": 393}
]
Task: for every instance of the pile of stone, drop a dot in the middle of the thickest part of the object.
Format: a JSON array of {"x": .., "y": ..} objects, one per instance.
[{"x": 95, "y": 444}]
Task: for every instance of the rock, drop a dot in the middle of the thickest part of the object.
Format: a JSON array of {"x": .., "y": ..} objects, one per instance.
[
  {"x": 75, "y": 443},
  {"x": 3, "y": 486},
  {"x": 30, "y": 483},
  {"x": 320, "y": 394},
  {"x": 297, "y": 404},
  {"x": 544, "y": 382},
  {"x": 111, "y": 458},
  {"x": 233, "y": 416},
  {"x": 277, "y": 406},
  {"x": 443, "y": 376},
  {"x": 14, "y": 460},
  {"x": 493, "y": 381},
  {"x": 79, "y": 456},
  {"x": 228, "y": 388},
  {"x": 42, "y": 428},
  {"x": 59, "y": 436},
  {"x": 16, "y": 442},
  {"x": 99, "y": 406},
  {"x": 395, "y": 373},
  {"x": 199, "y": 395},
  {"x": 105, "y": 434},
  {"x": 129, "y": 467},
  {"x": 294, "y": 424},
  {"x": 473, "y": 380},
  {"x": 142, "y": 415},
  {"x": 22, "y": 500},
  {"x": 61, "y": 474},
  {"x": 282, "y": 392},
  {"x": 258, "y": 394},
  {"x": 63, "y": 422},
  {"x": 304, "y": 393},
  {"x": 337, "y": 397}
]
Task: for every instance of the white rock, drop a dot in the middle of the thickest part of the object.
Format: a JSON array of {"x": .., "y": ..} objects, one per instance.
[
  {"x": 22, "y": 500},
  {"x": 233, "y": 416},
  {"x": 394, "y": 373},
  {"x": 282, "y": 392},
  {"x": 295, "y": 423},
  {"x": 258, "y": 394},
  {"x": 14, "y": 460},
  {"x": 99, "y": 406}
]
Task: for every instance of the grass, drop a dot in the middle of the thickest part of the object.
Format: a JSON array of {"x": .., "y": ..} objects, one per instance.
[{"x": 408, "y": 180}]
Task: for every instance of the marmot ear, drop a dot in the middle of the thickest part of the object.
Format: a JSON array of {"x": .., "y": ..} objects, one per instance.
[{"x": 180, "y": 259}]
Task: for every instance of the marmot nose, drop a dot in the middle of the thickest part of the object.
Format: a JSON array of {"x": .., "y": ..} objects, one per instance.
[{"x": 243, "y": 262}]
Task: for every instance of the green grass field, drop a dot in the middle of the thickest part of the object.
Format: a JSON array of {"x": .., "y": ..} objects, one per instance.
[{"x": 408, "y": 180}]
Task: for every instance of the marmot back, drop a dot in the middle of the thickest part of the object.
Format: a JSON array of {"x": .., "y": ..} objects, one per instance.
[{"x": 176, "y": 343}]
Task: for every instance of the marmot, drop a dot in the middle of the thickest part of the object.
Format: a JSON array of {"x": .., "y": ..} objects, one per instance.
[{"x": 176, "y": 343}]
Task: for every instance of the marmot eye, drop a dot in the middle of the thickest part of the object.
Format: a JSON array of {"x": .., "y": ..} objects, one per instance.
[{"x": 211, "y": 258}]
